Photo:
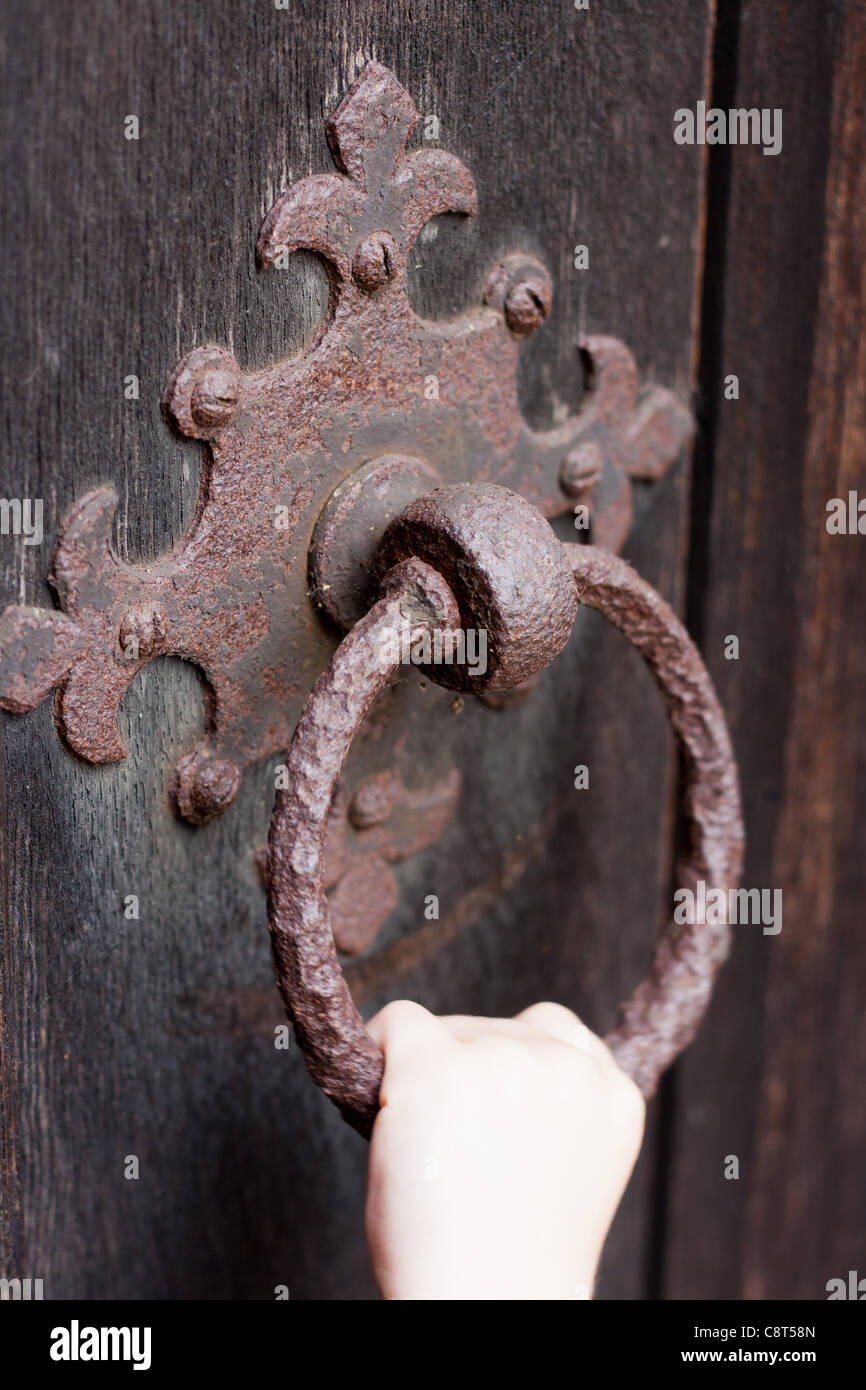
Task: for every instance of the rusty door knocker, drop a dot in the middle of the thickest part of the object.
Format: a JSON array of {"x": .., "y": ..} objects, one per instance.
[{"x": 479, "y": 556}]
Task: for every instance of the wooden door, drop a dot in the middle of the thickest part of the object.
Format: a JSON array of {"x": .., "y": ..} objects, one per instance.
[{"x": 152, "y": 1037}]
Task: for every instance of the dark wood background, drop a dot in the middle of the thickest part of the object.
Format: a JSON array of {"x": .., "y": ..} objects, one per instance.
[{"x": 155, "y": 1037}]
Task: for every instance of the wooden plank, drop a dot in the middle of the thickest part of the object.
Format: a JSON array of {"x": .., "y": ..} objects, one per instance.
[
  {"x": 155, "y": 1037},
  {"x": 776, "y": 1077}
]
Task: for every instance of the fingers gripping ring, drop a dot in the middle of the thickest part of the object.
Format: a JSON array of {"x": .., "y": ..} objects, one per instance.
[{"x": 480, "y": 556}]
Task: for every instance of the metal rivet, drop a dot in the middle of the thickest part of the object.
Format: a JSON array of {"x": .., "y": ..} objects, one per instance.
[
  {"x": 372, "y": 803},
  {"x": 206, "y": 786},
  {"x": 527, "y": 305},
  {"x": 375, "y": 261},
  {"x": 581, "y": 469},
  {"x": 215, "y": 398}
]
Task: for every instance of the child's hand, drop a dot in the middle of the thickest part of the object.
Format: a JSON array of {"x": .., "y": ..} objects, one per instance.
[{"x": 499, "y": 1156}]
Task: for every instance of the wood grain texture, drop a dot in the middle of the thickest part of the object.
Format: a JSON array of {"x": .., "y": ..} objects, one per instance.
[
  {"x": 155, "y": 1037},
  {"x": 777, "y": 1076}
]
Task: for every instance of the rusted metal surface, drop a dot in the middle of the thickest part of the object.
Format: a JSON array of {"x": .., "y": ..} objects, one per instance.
[
  {"x": 350, "y": 527},
  {"x": 662, "y": 1015},
  {"x": 474, "y": 533},
  {"x": 381, "y": 823},
  {"x": 384, "y": 823},
  {"x": 506, "y": 570},
  {"x": 340, "y": 1054},
  {"x": 376, "y": 382}
]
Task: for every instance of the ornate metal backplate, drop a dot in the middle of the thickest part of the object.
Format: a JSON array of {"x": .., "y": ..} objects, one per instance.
[{"x": 377, "y": 381}]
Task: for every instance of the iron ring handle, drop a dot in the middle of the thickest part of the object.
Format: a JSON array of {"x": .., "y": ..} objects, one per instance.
[{"x": 662, "y": 1015}]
